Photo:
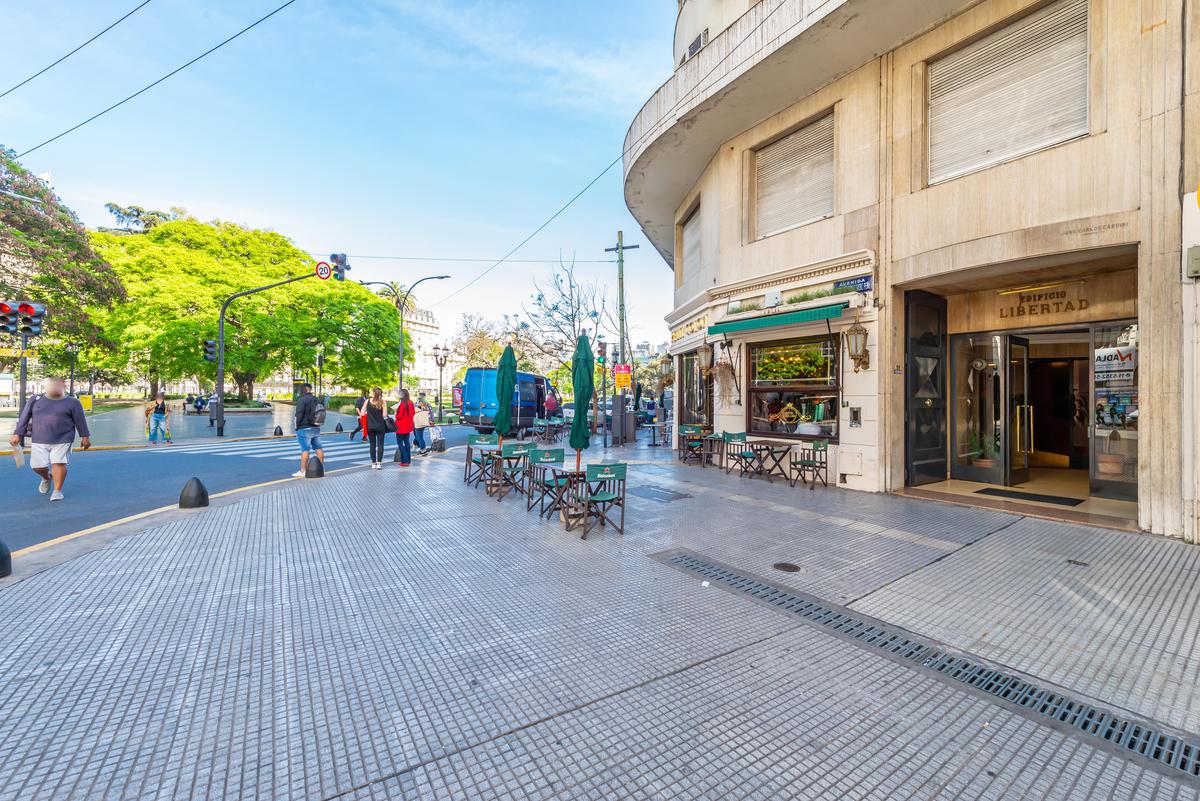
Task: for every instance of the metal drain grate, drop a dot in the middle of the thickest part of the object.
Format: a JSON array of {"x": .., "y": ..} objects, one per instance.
[{"x": 1119, "y": 731}]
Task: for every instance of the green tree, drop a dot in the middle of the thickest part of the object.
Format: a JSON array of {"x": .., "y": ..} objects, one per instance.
[
  {"x": 178, "y": 273},
  {"x": 47, "y": 257}
]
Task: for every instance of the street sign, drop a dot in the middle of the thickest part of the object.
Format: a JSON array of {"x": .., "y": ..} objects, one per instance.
[
  {"x": 623, "y": 375},
  {"x": 324, "y": 270},
  {"x": 16, "y": 352}
]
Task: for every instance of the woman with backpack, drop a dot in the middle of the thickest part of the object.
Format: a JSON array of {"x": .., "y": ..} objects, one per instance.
[
  {"x": 405, "y": 412},
  {"x": 376, "y": 426}
]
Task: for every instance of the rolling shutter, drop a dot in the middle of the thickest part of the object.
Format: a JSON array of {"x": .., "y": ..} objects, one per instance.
[
  {"x": 691, "y": 244},
  {"x": 795, "y": 179},
  {"x": 1018, "y": 90}
]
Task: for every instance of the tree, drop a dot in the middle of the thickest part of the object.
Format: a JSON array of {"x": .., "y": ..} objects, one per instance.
[
  {"x": 136, "y": 219},
  {"x": 480, "y": 343},
  {"x": 177, "y": 275},
  {"x": 47, "y": 257}
]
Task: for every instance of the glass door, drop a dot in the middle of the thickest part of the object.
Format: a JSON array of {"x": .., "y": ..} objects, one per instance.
[
  {"x": 1018, "y": 413},
  {"x": 1114, "y": 427},
  {"x": 978, "y": 376}
]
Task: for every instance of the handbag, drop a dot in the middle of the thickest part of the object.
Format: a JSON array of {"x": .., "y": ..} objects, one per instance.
[
  {"x": 389, "y": 423},
  {"x": 421, "y": 419}
]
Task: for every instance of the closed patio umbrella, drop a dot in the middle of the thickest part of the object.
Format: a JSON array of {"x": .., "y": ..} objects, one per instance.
[
  {"x": 583, "y": 366},
  {"x": 506, "y": 383}
]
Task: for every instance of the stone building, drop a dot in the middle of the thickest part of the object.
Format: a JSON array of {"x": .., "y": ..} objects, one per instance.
[{"x": 948, "y": 237}]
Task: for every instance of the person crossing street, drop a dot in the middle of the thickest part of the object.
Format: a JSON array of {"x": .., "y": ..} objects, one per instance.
[
  {"x": 158, "y": 419},
  {"x": 308, "y": 428},
  {"x": 51, "y": 421}
]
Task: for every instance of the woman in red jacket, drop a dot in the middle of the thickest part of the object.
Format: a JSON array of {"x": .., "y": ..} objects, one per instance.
[{"x": 405, "y": 411}]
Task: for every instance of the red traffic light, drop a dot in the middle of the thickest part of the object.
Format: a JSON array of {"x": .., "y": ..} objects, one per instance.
[
  {"x": 6, "y": 308},
  {"x": 26, "y": 308}
]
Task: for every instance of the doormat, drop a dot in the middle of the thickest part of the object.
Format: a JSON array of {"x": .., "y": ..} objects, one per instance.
[{"x": 1029, "y": 496}]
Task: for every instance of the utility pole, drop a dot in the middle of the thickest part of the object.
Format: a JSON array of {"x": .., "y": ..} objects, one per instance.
[{"x": 622, "y": 336}]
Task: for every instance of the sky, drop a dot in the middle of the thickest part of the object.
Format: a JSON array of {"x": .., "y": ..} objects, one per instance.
[{"x": 425, "y": 128}]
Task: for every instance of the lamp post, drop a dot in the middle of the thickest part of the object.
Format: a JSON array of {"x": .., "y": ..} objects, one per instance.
[
  {"x": 401, "y": 302},
  {"x": 440, "y": 357}
]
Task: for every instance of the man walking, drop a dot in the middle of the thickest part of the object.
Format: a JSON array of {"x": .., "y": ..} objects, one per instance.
[
  {"x": 358, "y": 415},
  {"x": 308, "y": 428},
  {"x": 52, "y": 420}
]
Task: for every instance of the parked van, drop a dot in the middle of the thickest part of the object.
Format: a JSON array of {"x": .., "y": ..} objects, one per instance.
[{"x": 479, "y": 399}]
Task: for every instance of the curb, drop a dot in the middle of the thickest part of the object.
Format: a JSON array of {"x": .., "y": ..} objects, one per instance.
[{"x": 143, "y": 445}]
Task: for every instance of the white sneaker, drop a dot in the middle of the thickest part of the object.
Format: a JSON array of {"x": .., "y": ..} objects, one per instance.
[
  {"x": 44, "y": 487},
  {"x": 56, "y": 495},
  {"x": 298, "y": 474}
]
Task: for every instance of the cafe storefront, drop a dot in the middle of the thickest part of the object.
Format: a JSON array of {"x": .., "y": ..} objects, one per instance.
[{"x": 1027, "y": 392}]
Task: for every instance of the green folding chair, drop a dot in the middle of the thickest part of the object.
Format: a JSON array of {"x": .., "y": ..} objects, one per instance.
[
  {"x": 690, "y": 448},
  {"x": 541, "y": 483},
  {"x": 603, "y": 493},
  {"x": 473, "y": 466},
  {"x": 813, "y": 460},
  {"x": 739, "y": 454},
  {"x": 509, "y": 470}
]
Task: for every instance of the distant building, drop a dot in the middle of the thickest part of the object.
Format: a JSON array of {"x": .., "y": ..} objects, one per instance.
[{"x": 424, "y": 331}]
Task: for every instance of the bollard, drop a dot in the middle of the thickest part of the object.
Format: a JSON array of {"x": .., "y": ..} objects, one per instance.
[
  {"x": 279, "y": 431},
  {"x": 194, "y": 494},
  {"x": 338, "y": 429},
  {"x": 396, "y": 458},
  {"x": 315, "y": 469},
  {"x": 5, "y": 561}
]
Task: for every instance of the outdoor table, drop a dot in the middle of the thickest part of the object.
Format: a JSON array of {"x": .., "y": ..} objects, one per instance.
[
  {"x": 483, "y": 450},
  {"x": 712, "y": 449},
  {"x": 499, "y": 482},
  {"x": 772, "y": 456},
  {"x": 563, "y": 493},
  {"x": 654, "y": 428}
]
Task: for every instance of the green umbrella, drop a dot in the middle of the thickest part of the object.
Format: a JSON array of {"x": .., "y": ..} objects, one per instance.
[
  {"x": 506, "y": 383},
  {"x": 583, "y": 366}
]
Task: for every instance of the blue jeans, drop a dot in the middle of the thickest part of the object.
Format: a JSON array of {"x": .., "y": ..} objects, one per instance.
[
  {"x": 419, "y": 438},
  {"x": 405, "y": 448},
  {"x": 158, "y": 422},
  {"x": 309, "y": 439}
]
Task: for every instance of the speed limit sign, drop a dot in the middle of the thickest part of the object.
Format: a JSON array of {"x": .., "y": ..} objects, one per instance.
[{"x": 324, "y": 270}]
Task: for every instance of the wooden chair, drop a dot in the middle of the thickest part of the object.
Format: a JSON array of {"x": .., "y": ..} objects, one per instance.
[
  {"x": 541, "y": 484},
  {"x": 813, "y": 459},
  {"x": 539, "y": 429},
  {"x": 603, "y": 492},
  {"x": 510, "y": 470},
  {"x": 690, "y": 448},
  {"x": 473, "y": 466},
  {"x": 739, "y": 454}
]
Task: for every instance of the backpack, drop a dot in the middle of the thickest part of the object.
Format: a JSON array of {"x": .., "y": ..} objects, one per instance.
[{"x": 319, "y": 414}]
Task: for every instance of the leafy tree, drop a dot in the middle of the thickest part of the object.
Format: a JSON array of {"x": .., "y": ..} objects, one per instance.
[
  {"x": 177, "y": 275},
  {"x": 46, "y": 257},
  {"x": 139, "y": 220}
]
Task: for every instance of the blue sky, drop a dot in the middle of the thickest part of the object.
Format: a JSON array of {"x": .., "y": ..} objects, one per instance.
[{"x": 377, "y": 127}]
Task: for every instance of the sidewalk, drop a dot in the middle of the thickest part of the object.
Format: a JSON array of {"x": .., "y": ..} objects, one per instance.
[{"x": 394, "y": 635}]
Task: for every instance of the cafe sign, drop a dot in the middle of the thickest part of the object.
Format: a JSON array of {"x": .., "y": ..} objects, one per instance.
[
  {"x": 692, "y": 327},
  {"x": 1047, "y": 301}
]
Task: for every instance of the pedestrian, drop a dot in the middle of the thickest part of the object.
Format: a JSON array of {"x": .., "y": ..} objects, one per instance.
[
  {"x": 158, "y": 418},
  {"x": 51, "y": 421},
  {"x": 358, "y": 414},
  {"x": 405, "y": 412},
  {"x": 420, "y": 423},
  {"x": 188, "y": 401},
  {"x": 308, "y": 428},
  {"x": 213, "y": 404},
  {"x": 551, "y": 406},
  {"x": 377, "y": 426}
]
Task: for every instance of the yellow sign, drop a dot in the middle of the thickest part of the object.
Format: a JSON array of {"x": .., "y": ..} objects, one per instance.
[
  {"x": 86, "y": 402},
  {"x": 16, "y": 352},
  {"x": 699, "y": 324},
  {"x": 624, "y": 381}
]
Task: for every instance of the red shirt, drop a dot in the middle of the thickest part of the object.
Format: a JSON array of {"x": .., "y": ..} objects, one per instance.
[{"x": 404, "y": 417}]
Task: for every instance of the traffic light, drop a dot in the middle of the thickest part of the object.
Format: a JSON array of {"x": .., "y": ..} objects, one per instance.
[
  {"x": 210, "y": 350},
  {"x": 602, "y": 347},
  {"x": 29, "y": 318},
  {"x": 340, "y": 265},
  {"x": 8, "y": 317}
]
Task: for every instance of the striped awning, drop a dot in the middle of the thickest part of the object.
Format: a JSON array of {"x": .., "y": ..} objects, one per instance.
[{"x": 775, "y": 320}]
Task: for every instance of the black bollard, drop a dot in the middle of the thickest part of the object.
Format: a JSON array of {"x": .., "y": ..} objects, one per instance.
[
  {"x": 396, "y": 458},
  {"x": 5, "y": 561},
  {"x": 194, "y": 495},
  {"x": 315, "y": 469},
  {"x": 338, "y": 428},
  {"x": 279, "y": 431}
]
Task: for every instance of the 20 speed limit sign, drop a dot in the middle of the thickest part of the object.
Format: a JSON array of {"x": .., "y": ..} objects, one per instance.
[{"x": 324, "y": 270}]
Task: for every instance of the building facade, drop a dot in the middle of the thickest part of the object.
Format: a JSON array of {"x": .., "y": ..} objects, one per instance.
[
  {"x": 425, "y": 332},
  {"x": 949, "y": 238}
]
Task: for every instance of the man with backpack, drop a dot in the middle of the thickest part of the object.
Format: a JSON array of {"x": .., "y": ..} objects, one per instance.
[
  {"x": 310, "y": 414},
  {"x": 51, "y": 421}
]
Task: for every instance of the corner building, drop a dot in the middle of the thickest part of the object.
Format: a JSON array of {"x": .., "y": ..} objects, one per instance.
[{"x": 955, "y": 240}]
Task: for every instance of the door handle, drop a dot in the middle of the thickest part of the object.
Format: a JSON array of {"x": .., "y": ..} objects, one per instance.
[
  {"x": 1017, "y": 442},
  {"x": 929, "y": 403},
  {"x": 1031, "y": 435}
]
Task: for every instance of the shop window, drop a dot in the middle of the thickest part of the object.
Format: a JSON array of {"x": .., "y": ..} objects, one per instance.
[
  {"x": 794, "y": 388},
  {"x": 696, "y": 386},
  {"x": 1019, "y": 90}
]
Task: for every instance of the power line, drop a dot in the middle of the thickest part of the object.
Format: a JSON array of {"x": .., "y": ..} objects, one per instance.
[
  {"x": 624, "y": 152},
  {"x": 485, "y": 261},
  {"x": 76, "y": 50},
  {"x": 175, "y": 71}
]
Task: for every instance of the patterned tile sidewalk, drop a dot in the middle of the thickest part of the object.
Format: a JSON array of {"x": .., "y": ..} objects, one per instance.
[{"x": 397, "y": 636}]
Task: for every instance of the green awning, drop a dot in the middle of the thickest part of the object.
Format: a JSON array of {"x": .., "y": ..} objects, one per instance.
[{"x": 775, "y": 320}]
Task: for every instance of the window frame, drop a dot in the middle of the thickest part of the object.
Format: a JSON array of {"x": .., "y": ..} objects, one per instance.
[{"x": 834, "y": 387}]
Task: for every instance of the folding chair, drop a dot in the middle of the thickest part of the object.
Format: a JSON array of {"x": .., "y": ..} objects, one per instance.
[
  {"x": 473, "y": 465},
  {"x": 813, "y": 459},
  {"x": 540, "y": 482},
  {"x": 739, "y": 454},
  {"x": 510, "y": 470},
  {"x": 603, "y": 492},
  {"x": 690, "y": 448},
  {"x": 539, "y": 429}
]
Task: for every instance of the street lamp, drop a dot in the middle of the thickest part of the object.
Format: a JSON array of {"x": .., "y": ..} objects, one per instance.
[
  {"x": 440, "y": 357},
  {"x": 401, "y": 302}
]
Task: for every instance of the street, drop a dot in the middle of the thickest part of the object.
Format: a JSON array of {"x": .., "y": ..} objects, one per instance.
[{"x": 108, "y": 485}]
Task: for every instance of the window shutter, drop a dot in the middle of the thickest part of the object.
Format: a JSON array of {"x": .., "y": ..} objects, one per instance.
[
  {"x": 795, "y": 179},
  {"x": 1016, "y": 91},
  {"x": 691, "y": 244}
]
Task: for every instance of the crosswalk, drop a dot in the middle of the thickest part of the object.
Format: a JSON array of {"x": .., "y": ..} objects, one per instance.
[{"x": 285, "y": 449}]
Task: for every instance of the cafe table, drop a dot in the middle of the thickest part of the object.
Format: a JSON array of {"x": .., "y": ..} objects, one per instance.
[{"x": 772, "y": 457}]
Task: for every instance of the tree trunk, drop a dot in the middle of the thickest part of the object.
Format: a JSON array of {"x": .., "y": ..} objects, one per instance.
[
  {"x": 245, "y": 384},
  {"x": 153, "y": 387}
]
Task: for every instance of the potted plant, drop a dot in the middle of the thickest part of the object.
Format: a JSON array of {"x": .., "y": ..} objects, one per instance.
[{"x": 987, "y": 452}]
